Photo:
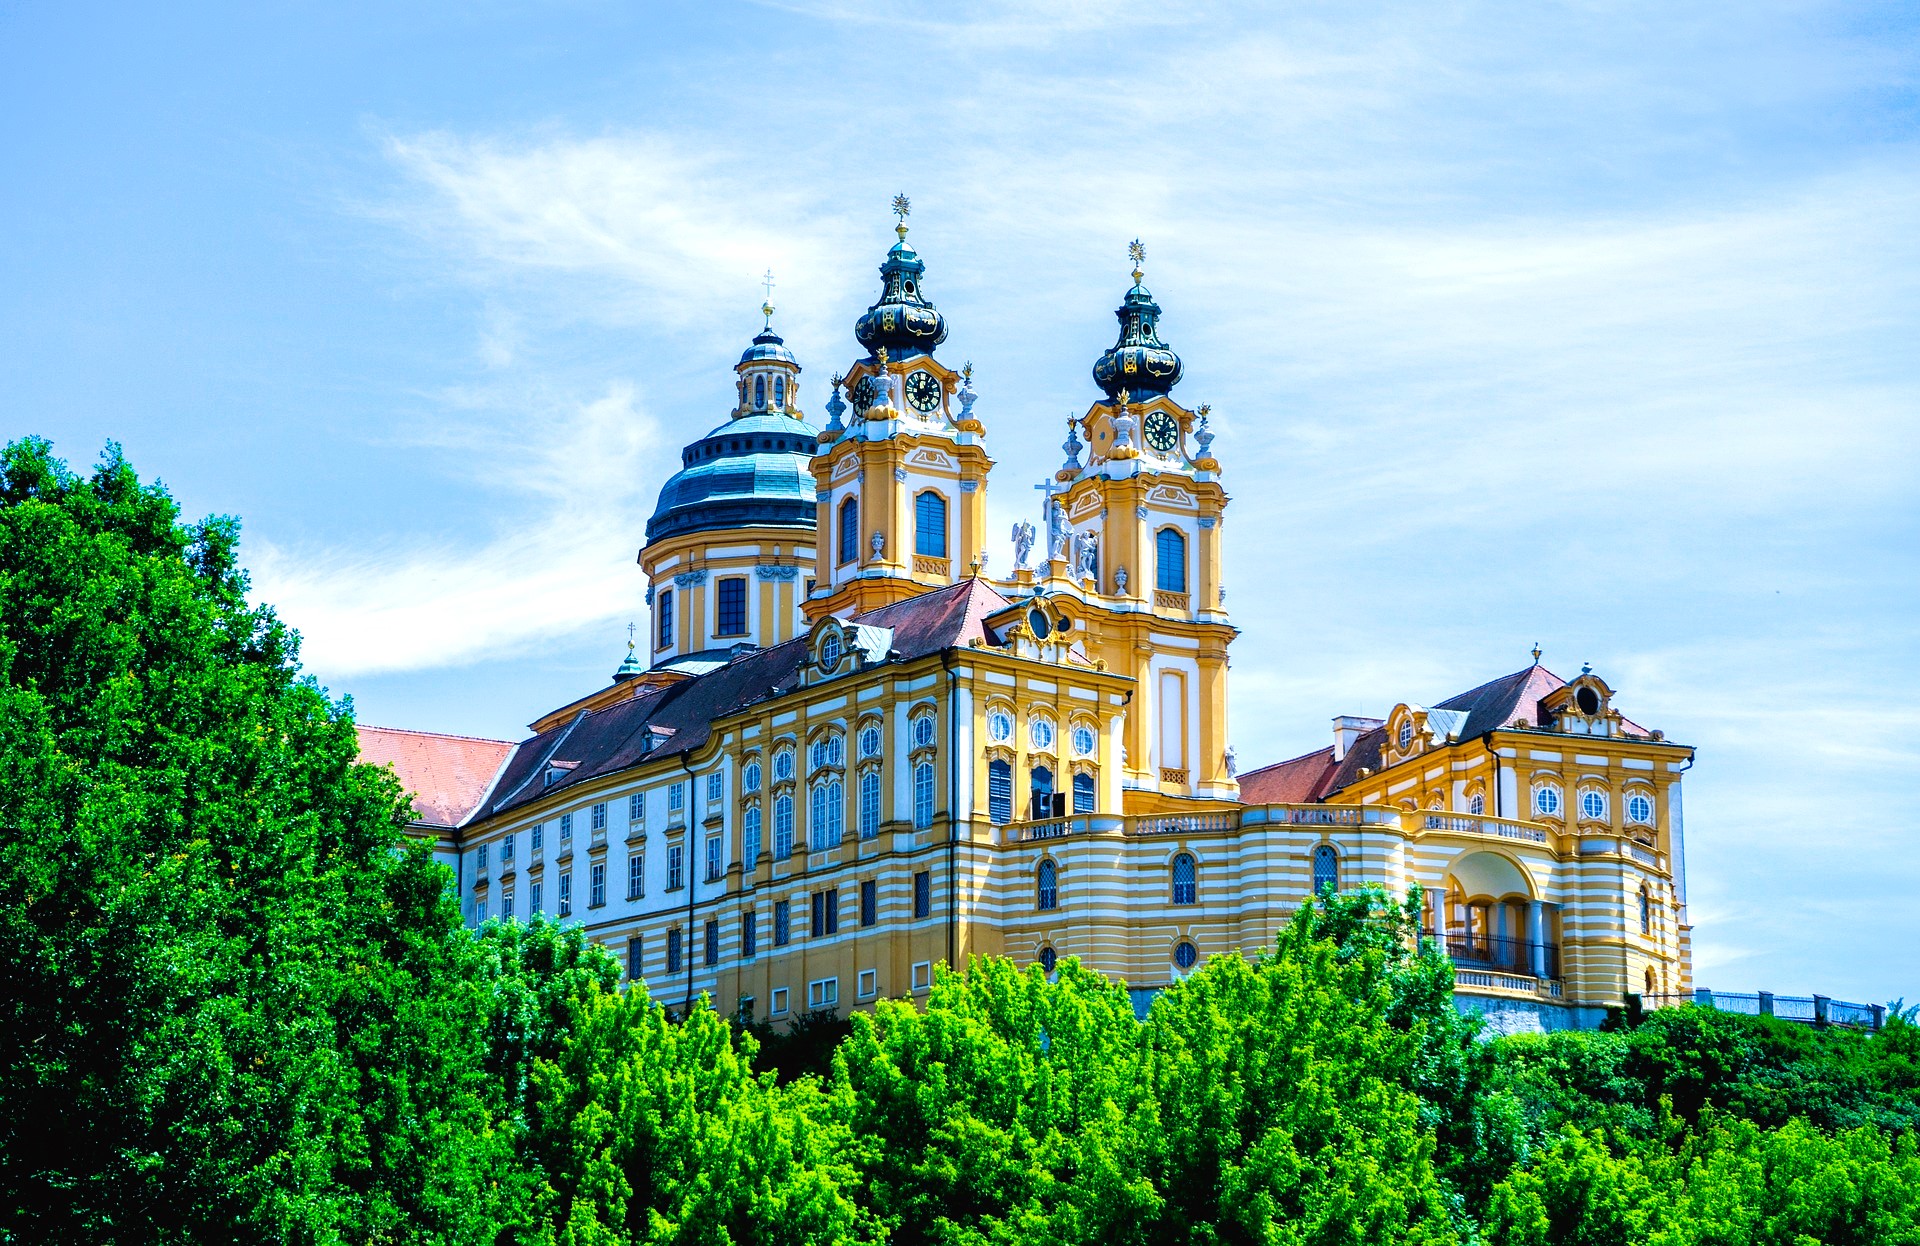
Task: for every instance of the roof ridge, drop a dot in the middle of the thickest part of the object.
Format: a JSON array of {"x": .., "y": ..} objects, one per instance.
[{"x": 435, "y": 735}]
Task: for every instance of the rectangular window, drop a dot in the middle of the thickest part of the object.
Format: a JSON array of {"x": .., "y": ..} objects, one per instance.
[
  {"x": 1083, "y": 793},
  {"x": 1173, "y": 720},
  {"x": 636, "y": 875},
  {"x": 636, "y": 808},
  {"x": 506, "y": 849},
  {"x": 779, "y": 1008},
  {"x": 713, "y": 858},
  {"x": 566, "y": 827},
  {"x": 539, "y": 834},
  {"x": 999, "y": 792},
  {"x": 930, "y": 524},
  {"x": 870, "y": 804},
  {"x": 663, "y": 618},
  {"x": 673, "y": 950},
  {"x": 923, "y": 894},
  {"x": 823, "y": 993},
  {"x": 676, "y": 798},
  {"x": 676, "y": 867},
  {"x": 922, "y": 975},
  {"x": 715, "y": 788},
  {"x": 869, "y": 903},
  {"x": 869, "y": 983},
  {"x": 534, "y": 907},
  {"x": 749, "y": 935},
  {"x": 483, "y": 856},
  {"x": 598, "y": 885},
  {"x": 480, "y": 911},
  {"x": 826, "y": 913},
  {"x": 506, "y": 904},
  {"x": 566, "y": 895},
  {"x": 633, "y": 958},
  {"x": 712, "y": 942},
  {"x": 600, "y": 816},
  {"x": 923, "y": 795},
  {"x": 731, "y": 610},
  {"x": 782, "y": 921}
]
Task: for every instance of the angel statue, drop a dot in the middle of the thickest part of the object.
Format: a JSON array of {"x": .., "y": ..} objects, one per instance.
[
  {"x": 1023, "y": 536},
  {"x": 1057, "y": 532},
  {"x": 1086, "y": 555}
]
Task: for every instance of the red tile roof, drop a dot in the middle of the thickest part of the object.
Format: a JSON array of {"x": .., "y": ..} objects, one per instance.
[
  {"x": 1298, "y": 781},
  {"x": 447, "y": 775}
]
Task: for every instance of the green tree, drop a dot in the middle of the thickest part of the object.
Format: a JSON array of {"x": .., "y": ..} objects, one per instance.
[{"x": 235, "y": 1003}]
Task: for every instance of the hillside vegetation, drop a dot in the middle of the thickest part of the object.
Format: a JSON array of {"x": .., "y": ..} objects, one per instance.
[{"x": 238, "y": 1005}]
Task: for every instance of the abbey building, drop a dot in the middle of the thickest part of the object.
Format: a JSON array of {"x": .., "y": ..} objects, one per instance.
[{"x": 852, "y": 747}]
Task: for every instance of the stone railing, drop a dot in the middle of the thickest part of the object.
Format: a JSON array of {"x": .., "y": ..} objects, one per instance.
[{"x": 1409, "y": 822}]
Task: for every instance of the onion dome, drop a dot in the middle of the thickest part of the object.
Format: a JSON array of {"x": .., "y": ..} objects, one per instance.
[
  {"x": 901, "y": 320},
  {"x": 1139, "y": 362}
]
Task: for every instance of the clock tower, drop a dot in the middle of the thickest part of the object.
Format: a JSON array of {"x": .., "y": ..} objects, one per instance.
[
  {"x": 901, "y": 472},
  {"x": 1146, "y": 511}
]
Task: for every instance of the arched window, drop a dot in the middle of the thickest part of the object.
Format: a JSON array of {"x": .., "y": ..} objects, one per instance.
[
  {"x": 759, "y": 391},
  {"x": 1326, "y": 869},
  {"x": 999, "y": 792},
  {"x": 1170, "y": 561},
  {"x": 870, "y": 804},
  {"x": 1083, "y": 793},
  {"x": 930, "y": 524},
  {"x": 1476, "y": 804},
  {"x": 750, "y": 835},
  {"x": 826, "y": 822},
  {"x": 663, "y": 618},
  {"x": 1048, "y": 891},
  {"x": 1185, "y": 890},
  {"x": 849, "y": 530},
  {"x": 1646, "y": 912},
  {"x": 1652, "y": 982},
  {"x": 780, "y": 391},
  {"x": 783, "y": 825},
  {"x": 1048, "y": 959},
  {"x": 923, "y": 795}
]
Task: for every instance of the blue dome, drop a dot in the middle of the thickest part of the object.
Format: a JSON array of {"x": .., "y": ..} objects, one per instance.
[
  {"x": 769, "y": 345},
  {"x": 749, "y": 471}
]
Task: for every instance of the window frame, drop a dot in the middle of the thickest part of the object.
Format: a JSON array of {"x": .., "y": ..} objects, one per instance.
[
  {"x": 1162, "y": 581},
  {"x": 1046, "y": 886},
  {"x": 922, "y": 546}
]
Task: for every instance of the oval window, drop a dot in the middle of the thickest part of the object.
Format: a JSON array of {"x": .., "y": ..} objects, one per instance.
[
  {"x": 1185, "y": 954},
  {"x": 999, "y": 726},
  {"x": 1589, "y": 701},
  {"x": 1048, "y": 958},
  {"x": 1083, "y": 740},
  {"x": 1639, "y": 808},
  {"x": 1041, "y": 733}
]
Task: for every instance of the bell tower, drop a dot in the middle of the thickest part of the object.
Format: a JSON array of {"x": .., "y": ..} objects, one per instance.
[
  {"x": 1140, "y": 526},
  {"x": 901, "y": 471}
]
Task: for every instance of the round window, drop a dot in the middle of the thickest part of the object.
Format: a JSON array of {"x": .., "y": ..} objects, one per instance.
[
  {"x": 1589, "y": 701},
  {"x": 923, "y": 731},
  {"x": 999, "y": 726},
  {"x": 1639, "y": 808},
  {"x": 1037, "y": 620},
  {"x": 1041, "y": 733},
  {"x": 1593, "y": 804},
  {"x": 1048, "y": 958},
  {"x": 869, "y": 741},
  {"x": 1185, "y": 954},
  {"x": 1547, "y": 800},
  {"x": 1406, "y": 732},
  {"x": 1083, "y": 740}
]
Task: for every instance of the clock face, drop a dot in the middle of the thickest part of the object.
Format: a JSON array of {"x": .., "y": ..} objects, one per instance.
[
  {"x": 1162, "y": 432},
  {"x": 923, "y": 391},
  {"x": 864, "y": 392}
]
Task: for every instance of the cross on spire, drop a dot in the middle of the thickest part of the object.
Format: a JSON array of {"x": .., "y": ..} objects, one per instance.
[
  {"x": 1138, "y": 254},
  {"x": 766, "y": 308}
]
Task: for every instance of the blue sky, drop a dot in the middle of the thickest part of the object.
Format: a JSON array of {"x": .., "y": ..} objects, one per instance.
[{"x": 1585, "y": 324}]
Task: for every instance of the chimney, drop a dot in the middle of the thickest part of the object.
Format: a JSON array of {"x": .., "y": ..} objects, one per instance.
[{"x": 1347, "y": 728}]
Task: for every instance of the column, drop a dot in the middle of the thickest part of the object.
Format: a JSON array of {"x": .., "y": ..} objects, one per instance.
[
  {"x": 1436, "y": 913},
  {"x": 1537, "y": 936}
]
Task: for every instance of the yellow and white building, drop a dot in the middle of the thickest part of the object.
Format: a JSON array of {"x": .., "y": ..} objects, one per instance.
[{"x": 855, "y": 753}]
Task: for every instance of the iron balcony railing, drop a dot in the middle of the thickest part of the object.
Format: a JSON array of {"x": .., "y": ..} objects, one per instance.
[{"x": 1509, "y": 955}]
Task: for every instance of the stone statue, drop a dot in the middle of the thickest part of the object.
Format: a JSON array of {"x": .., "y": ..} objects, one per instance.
[
  {"x": 1120, "y": 580},
  {"x": 878, "y": 542},
  {"x": 1086, "y": 555},
  {"x": 1023, "y": 536},
  {"x": 1057, "y": 531},
  {"x": 1232, "y": 763}
]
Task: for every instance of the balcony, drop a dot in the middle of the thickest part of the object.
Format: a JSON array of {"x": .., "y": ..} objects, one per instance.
[
  {"x": 1413, "y": 823},
  {"x": 1491, "y": 954}
]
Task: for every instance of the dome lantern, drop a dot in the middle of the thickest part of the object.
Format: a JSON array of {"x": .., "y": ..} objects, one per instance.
[
  {"x": 1138, "y": 362},
  {"x": 901, "y": 321}
]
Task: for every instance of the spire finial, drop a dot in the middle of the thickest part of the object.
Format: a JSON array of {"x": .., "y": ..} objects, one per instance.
[
  {"x": 630, "y": 631},
  {"x": 1536, "y": 653},
  {"x": 902, "y": 206},
  {"x": 766, "y": 308},
  {"x": 1138, "y": 254}
]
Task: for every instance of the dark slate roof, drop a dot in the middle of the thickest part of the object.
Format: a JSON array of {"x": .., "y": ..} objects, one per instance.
[
  {"x": 679, "y": 716},
  {"x": 1499, "y": 702}
]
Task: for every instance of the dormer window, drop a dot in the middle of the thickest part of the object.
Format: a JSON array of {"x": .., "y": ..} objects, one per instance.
[
  {"x": 1406, "y": 734},
  {"x": 1588, "y": 700},
  {"x": 829, "y": 652}
]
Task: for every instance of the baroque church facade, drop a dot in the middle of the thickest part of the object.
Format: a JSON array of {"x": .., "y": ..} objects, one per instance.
[{"x": 847, "y": 753}]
